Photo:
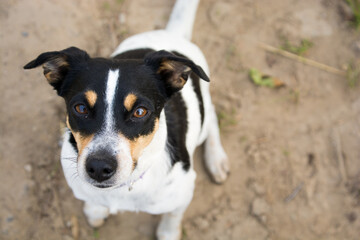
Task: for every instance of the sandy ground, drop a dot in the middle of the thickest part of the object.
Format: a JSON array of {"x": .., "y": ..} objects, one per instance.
[{"x": 294, "y": 151}]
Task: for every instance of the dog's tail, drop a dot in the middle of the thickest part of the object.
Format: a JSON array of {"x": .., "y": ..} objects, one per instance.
[{"x": 182, "y": 18}]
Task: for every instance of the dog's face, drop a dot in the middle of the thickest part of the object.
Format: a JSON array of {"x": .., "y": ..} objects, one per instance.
[{"x": 113, "y": 106}]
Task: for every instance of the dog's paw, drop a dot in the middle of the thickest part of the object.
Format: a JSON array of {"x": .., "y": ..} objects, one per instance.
[
  {"x": 218, "y": 166},
  {"x": 95, "y": 214},
  {"x": 165, "y": 234},
  {"x": 95, "y": 223}
]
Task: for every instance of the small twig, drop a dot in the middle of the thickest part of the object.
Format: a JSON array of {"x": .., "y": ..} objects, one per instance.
[
  {"x": 294, "y": 193},
  {"x": 75, "y": 228},
  {"x": 302, "y": 59},
  {"x": 339, "y": 155}
]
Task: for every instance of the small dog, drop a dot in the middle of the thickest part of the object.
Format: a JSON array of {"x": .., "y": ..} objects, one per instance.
[{"x": 134, "y": 121}]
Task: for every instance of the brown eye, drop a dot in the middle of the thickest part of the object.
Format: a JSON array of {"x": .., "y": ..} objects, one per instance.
[
  {"x": 140, "y": 112},
  {"x": 81, "y": 109}
]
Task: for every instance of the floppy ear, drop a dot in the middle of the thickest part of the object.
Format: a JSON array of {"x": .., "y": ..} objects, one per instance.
[
  {"x": 173, "y": 70},
  {"x": 57, "y": 64}
]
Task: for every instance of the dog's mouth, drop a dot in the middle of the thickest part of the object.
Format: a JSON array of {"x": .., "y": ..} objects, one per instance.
[
  {"x": 129, "y": 183},
  {"x": 103, "y": 185}
]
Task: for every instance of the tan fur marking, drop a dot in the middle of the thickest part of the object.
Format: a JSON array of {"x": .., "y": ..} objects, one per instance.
[
  {"x": 129, "y": 101},
  {"x": 168, "y": 66},
  {"x": 67, "y": 123},
  {"x": 179, "y": 83},
  {"x": 177, "y": 69},
  {"x": 51, "y": 69},
  {"x": 91, "y": 97},
  {"x": 81, "y": 141},
  {"x": 48, "y": 76},
  {"x": 139, "y": 144}
]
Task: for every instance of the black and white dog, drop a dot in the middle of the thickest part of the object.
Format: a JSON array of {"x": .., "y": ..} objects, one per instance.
[{"x": 134, "y": 121}]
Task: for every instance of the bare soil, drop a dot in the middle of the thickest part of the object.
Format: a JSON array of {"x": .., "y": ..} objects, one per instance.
[{"x": 294, "y": 151}]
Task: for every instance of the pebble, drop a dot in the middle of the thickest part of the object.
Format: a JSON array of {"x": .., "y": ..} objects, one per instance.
[
  {"x": 9, "y": 219},
  {"x": 28, "y": 168},
  {"x": 258, "y": 189},
  {"x": 68, "y": 224},
  {"x": 351, "y": 217},
  {"x": 201, "y": 223},
  {"x": 122, "y": 18},
  {"x": 356, "y": 46},
  {"x": 313, "y": 24},
  {"x": 259, "y": 207}
]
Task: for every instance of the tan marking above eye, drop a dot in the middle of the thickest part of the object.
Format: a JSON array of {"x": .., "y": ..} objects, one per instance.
[
  {"x": 129, "y": 101},
  {"x": 91, "y": 97}
]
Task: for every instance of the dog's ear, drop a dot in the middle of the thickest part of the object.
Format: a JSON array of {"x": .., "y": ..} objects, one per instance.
[
  {"x": 57, "y": 64},
  {"x": 173, "y": 70}
]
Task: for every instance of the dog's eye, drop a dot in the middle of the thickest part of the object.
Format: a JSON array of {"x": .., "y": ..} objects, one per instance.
[
  {"x": 81, "y": 109},
  {"x": 140, "y": 112}
]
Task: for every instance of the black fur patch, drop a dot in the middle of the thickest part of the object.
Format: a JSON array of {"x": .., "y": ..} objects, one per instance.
[
  {"x": 176, "y": 121},
  {"x": 73, "y": 142},
  {"x": 196, "y": 85},
  {"x": 134, "y": 54}
]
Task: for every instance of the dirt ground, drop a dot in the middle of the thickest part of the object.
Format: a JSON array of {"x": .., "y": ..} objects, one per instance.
[{"x": 294, "y": 151}]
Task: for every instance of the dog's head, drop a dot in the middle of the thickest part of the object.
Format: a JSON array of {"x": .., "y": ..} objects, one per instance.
[{"x": 113, "y": 106}]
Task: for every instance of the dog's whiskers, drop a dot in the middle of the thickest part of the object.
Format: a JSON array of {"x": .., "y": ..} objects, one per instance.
[{"x": 74, "y": 176}]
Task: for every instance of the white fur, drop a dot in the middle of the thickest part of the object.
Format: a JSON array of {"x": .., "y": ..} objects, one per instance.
[
  {"x": 182, "y": 24},
  {"x": 111, "y": 84},
  {"x": 157, "y": 187}
]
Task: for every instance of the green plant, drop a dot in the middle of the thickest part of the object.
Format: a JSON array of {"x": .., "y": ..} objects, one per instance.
[
  {"x": 96, "y": 234},
  {"x": 295, "y": 95},
  {"x": 300, "y": 49},
  {"x": 263, "y": 80},
  {"x": 232, "y": 59},
  {"x": 355, "y": 8},
  {"x": 352, "y": 74},
  {"x": 286, "y": 152},
  {"x": 184, "y": 235},
  {"x": 106, "y": 6},
  {"x": 227, "y": 119}
]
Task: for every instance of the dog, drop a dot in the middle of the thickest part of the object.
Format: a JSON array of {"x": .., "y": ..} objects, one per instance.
[{"x": 134, "y": 121}]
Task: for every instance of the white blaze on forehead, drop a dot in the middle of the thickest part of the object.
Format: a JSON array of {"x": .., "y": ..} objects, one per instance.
[{"x": 111, "y": 85}]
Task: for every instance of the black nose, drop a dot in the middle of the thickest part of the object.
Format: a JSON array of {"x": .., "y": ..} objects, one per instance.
[{"x": 100, "y": 169}]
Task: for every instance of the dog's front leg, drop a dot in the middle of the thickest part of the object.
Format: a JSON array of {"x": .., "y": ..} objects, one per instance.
[
  {"x": 170, "y": 225},
  {"x": 95, "y": 214}
]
